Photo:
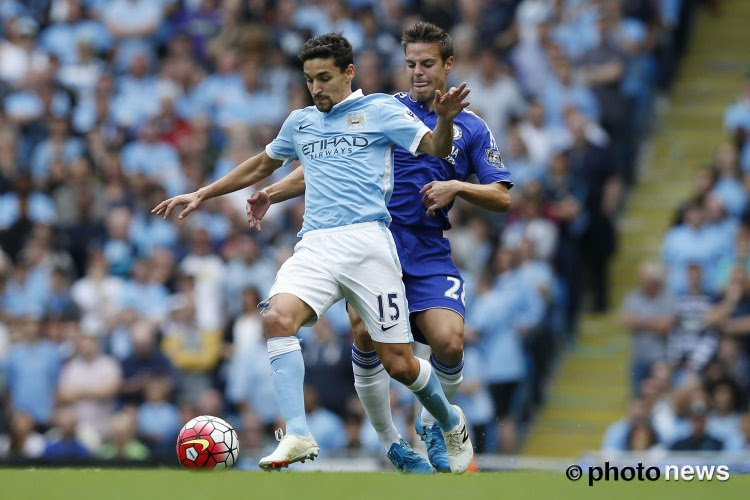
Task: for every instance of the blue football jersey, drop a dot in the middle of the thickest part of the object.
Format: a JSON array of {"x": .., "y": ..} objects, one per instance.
[
  {"x": 347, "y": 156},
  {"x": 474, "y": 152}
]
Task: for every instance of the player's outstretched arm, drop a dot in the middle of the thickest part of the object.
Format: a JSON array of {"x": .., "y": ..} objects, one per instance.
[
  {"x": 437, "y": 194},
  {"x": 243, "y": 175},
  {"x": 291, "y": 186},
  {"x": 439, "y": 142}
]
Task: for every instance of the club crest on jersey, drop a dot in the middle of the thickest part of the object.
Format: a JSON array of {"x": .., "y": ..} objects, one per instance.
[
  {"x": 493, "y": 158},
  {"x": 457, "y": 133},
  {"x": 355, "y": 121}
]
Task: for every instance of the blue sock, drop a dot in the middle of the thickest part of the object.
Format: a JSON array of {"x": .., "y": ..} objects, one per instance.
[
  {"x": 288, "y": 376},
  {"x": 430, "y": 394}
]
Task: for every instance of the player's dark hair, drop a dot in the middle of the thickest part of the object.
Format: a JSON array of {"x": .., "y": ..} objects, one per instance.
[
  {"x": 424, "y": 32},
  {"x": 330, "y": 45}
]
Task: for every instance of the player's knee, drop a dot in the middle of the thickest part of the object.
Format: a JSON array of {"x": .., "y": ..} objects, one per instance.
[
  {"x": 362, "y": 339},
  {"x": 359, "y": 330},
  {"x": 277, "y": 324},
  {"x": 404, "y": 369},
  {"x": 449, "y": 346}
]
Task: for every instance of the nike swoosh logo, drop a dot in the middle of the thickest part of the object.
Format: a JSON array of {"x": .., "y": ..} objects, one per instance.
[
  {"x": 203, "y": 442},
  {"x": 386, "y": 329},
  {"x": 303, "y": 127}
]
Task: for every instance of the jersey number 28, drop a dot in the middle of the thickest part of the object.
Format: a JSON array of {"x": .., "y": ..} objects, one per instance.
[{"x": 452, "y": 292}]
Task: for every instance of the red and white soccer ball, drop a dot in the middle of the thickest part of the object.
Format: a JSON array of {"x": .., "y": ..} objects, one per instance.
[{"x": 207, "y": 442}]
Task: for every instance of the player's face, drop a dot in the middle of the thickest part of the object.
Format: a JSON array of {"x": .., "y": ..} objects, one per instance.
[
  {"x": 328, "y": 85},
  {"x": 426, "y": 69}
]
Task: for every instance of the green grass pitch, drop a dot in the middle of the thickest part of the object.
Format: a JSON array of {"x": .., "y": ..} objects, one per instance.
[{"x": 52, "y": 484}]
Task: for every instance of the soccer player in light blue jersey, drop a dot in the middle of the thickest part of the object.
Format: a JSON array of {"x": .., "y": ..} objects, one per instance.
[
  {"x": 424, "y": 190},
  {"x": 345, "y": 143}
]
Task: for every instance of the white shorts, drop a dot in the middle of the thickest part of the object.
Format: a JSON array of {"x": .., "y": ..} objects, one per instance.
[{"x": 357, "y": 262}]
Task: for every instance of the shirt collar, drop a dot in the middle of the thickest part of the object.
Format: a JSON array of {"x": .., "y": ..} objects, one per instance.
[{"x": 354, "y": 95}]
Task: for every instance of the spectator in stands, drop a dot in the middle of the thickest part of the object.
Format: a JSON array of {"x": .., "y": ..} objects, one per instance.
[
  {"x": 540, "y": 138},
  {"x": 728, "y": 186},
  {"x": 724, "y": 417},
  {"x": 59, "y": 146},
  {"x": 158, "y": 419},
  {"x": 691, "y": 344},
  {"x": 66, "y": 445},
  {"x": 89, "y": 383},
  {"x": 593, "y": 166},
  {"x": 97, "y": 294},
  {"x": 617, "y": 437},
  {"x": 247, "y": 266},
  {"x": 153, "y": 159},
  {"x": 699, "y": 439},
  {"x": 737, "y": 117},
  {"x": 207, "y": 271},
  {"x": 473, "y": 396},
  {"x": 648, "y": 313},
  {"x": 691, "y": 243},
  {"x": 142, "y": 294},
  {"x": 517, "y": 154},
  {"x": 122, "y": 443},
  {"x": 326, "y": 426},
  {"x": 20, "y": 59},
  {"x": 501, "y": 340},
  {"x": 117, "y": 248},
  {"x": 602, "y": 68},
  {"x": 565, "y": 200},
  {"x": 192, "y": 349},
  {"x": 146, "y": 362},
  {"x": 561, "y": 91},
  {"x": 642, "y": 437},
  {"x": 22, "y": 441},
  {"x": 731, "y": 315},
  {"x": 32, "y": 371},
  {"x": 328, "y": 366},
  {"x": 496, "y": 95}
]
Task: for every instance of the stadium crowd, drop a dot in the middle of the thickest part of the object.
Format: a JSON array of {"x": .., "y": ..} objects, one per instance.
[
  {"x": 116, "y": 326},
  {"x": 689, "y": 317}
]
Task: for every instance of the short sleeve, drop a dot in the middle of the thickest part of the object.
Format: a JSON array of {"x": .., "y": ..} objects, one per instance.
[
  {"x": 282, "y": 147},
  {"x": 485, "y": 157},
  {"x": 400, "y": 125}
]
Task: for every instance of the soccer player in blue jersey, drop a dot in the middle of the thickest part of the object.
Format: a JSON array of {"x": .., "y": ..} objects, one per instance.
[
  {"x": 423, "y": 193},
  {"x": 345, "y": 144}
]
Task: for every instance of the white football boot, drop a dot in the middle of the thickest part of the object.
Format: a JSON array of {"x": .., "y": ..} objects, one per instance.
[
  {"x": 458, "y": 444},
  {"x": 291, "y": 448}
]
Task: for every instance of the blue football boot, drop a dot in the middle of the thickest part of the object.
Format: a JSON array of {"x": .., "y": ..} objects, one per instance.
[
  {"x": 433, "y": 440},
  {"x": 408, "y": 461}
]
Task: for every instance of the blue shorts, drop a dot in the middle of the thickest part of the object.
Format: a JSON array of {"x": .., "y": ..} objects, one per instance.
[{"x": 431, "y": 279}]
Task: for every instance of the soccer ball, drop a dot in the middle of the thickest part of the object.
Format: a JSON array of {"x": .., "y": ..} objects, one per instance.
[{"x": 207, "y": 442}]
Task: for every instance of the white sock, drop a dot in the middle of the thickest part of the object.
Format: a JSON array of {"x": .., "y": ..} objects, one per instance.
[{"x": 372, "y": 384}]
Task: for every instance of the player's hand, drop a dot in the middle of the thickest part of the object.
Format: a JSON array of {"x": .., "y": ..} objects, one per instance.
[
  {"x": 190, "y": 200},
  {"x": 257, "y": 206},
  {"x": 437, "y": 194},
  {"x": 448, "y": 105}
]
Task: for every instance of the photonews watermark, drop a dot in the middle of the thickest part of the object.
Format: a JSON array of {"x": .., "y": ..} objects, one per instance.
[{"x": 640, "y": 472}]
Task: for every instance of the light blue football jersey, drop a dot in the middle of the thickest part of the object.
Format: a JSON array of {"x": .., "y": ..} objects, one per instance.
[{"x": 347, "y": 156}]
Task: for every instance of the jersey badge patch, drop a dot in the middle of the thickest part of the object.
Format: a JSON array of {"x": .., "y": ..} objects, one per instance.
[
  {"x": 493, "y": 158},
  {"x": 355, "y": 121},
  {"x": 409, "y": 115},
  {"x": 457, "y": 133}
]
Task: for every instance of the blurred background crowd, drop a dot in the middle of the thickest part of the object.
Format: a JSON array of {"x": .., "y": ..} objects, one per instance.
[
  {"x": 116, "y": 327},
  {"x": 690, "y": 315}
]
